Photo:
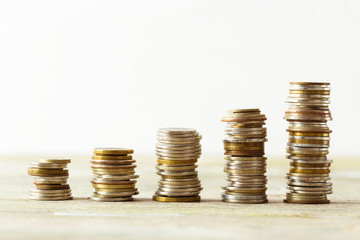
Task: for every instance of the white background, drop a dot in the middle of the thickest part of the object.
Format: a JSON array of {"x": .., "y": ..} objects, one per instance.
[{"x": 82, "y": 74}]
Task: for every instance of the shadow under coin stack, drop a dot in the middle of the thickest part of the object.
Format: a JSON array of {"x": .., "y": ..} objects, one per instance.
[
  {"x": 50, "y": 177},
  {"x": 309, "y": 137},
  {"x": 113, "y": 175},
  {"x": 245, "y": 162},
  {"x": 178, "y": 149}
]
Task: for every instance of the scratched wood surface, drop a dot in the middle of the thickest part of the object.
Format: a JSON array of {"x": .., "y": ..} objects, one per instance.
[{"x": 81, "y": 218}]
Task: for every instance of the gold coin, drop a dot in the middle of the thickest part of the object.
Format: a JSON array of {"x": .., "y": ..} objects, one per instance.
[
  {"x": 310, "y": 83},
  {"x": 113, "y": 171},
  {"x": 309, "y": 134},
  {"x": 310, "y": 92},
  {"x": 247, "y": 193},
  {"x": 244, "y": 153},
  {"x": 309, "y": 141},
  {"x": 179, "y": 177},
  {"x": 176, "y": 199},
  {"x": 309, "y": 165},
  {"x": 113, "y": 151},
  {"x": 112, "y": 186},
  {"x": 176, "y": 162},
  {"x": 55, "y": 160},
  {"x": 234, "y": 148},
  {"x": 309, "y": 155},
  {"x": 52, "y": 186},
  {"x": 48, "y": 171},
  {"x": 309, "y": 171},
  {"x": 110, "y": 157},
  {"x": 244, "y": 144}
]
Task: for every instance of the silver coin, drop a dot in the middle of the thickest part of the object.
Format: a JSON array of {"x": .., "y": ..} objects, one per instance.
[
  {"x": 167, "y": 186},
  {"x": 114, "y": 177},
  {"x": 171, "y": 151},
  {"x": 308, "y": 184},
  {"x": 184, "y": 155},
  {"x": 180, "y": 180},
  {"x": 50, "y": 194},
  {"x": 177, "y": 130},
  {"x": 116, "y": 194},
  {"x": 261, "y": 129},
  {"x": 179, "y": 158},
  {"x": 232, "y": 158},
  {"x": 175, "y": 147},
  {"x": 48, "y": 165},
  {"x": 177, "y": 168},
  {"x": 185, "y": 135},
  {"x": 177, "y": 194},
  {"x": 63, "y": 191},
  {"x": 310, "y": 193},
  {"x": 232, "y": 140},
  {"x": 179, "y": 190},
  {"x": 243, "y": 197}
]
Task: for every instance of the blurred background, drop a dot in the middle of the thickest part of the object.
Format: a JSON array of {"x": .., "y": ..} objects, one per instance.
[{"x": 82, "y": 74}]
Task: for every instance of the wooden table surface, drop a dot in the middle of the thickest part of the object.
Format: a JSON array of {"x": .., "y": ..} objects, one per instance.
[{"x": 143, "y": 218}]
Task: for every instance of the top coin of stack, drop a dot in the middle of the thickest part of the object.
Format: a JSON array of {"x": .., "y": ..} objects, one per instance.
[
  {"x": 178, "y": 149},
  {"x": 245, "y": 161},
  {"x": 113, "y": 179},
  {"x": 309, "y": 138},
  {"x": 50, "y": 177}
]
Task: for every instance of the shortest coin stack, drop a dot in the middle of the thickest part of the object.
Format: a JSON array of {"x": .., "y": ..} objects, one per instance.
[
  {"x": 50, "y": 177},
  {"x": 113, "y": 179}
]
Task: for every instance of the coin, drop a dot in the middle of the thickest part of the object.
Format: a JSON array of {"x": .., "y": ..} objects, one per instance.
[
  {"x": 48, "y": 165},
  {"x": 55, "y": 160},
  {"x": 177, "y": 131},
  {"x": 111, "y": 157},
  {"x": 42, "y": 171},
  {"x": 176, "y": 162},
  {"x": 113, "y": 151},
  {"x": 52, "y": 186},
  {"x": 176, "y": 199}
]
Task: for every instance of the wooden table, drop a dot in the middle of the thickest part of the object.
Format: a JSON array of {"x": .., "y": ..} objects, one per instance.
[{"x": 21, "y": 218}]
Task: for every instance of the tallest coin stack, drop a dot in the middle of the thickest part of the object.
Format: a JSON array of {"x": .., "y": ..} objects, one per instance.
[{"x": 309, "y": 137}]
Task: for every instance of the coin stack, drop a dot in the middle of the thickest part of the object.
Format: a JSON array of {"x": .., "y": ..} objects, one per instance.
[
  {"x": 245, "y": 162},
  {"x": 50, "y": 177},
  {"x": 113, "y": 175},
  {"x": 309, "y": 137},
  {"x": 178, "y": 149}
]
